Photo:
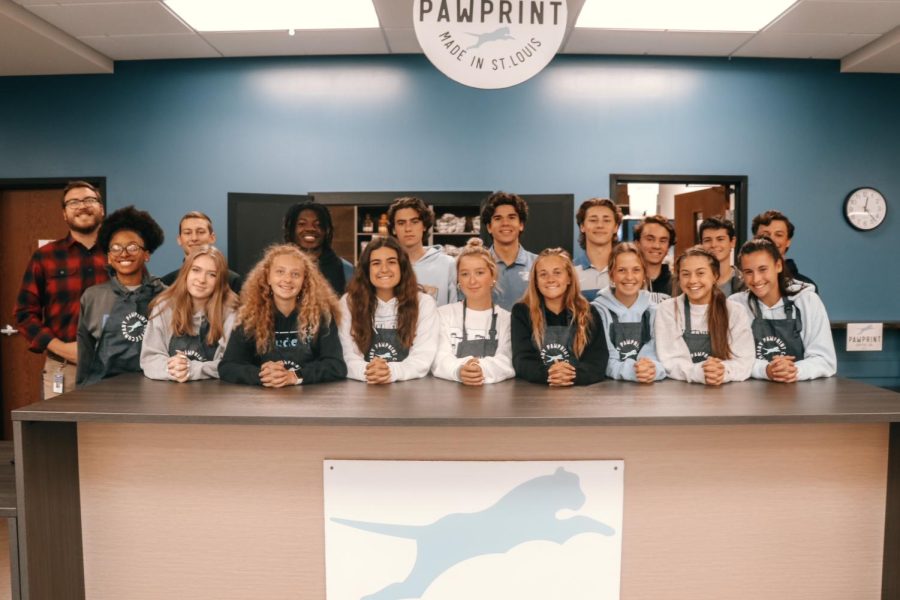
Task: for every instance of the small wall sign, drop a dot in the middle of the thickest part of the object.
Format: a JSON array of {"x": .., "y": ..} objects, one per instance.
[
  {"x": 864, "y": 337},
  {"x": 490, "y": 44}
]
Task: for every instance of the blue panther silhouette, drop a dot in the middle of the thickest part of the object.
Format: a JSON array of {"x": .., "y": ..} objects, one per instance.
[{"x": 524, "y": 514}]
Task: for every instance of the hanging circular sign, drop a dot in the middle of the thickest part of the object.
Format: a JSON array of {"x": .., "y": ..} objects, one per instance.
[{"x": 490, "y": 44}]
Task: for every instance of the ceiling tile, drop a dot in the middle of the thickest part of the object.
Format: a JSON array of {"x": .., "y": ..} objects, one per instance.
[
  {"x": 665, "y": 43},
  {"x": 839, "y": 17},
  {"x": 403, "y": 41},
  {"x": 881, "y": 56},
  {"x": 279, "y": 43},
  {"x": 800, "y": 45},
  {"x": 31, "y": 46},
  {"x": 147, "y": 47},
  {"x": 134, "y": 18},
  {"x": 395, "y": 14}
]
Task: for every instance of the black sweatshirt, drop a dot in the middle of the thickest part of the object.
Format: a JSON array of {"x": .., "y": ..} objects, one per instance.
[
  {"x": 241, "y": 362},
  {"x": 591, "y": 365}
]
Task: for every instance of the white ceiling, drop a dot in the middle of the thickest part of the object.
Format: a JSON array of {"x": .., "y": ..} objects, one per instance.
[{"x": 40, "y": 37}]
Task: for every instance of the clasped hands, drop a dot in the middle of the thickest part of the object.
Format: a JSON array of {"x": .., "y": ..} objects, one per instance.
[{"x": 274, "y": 374}]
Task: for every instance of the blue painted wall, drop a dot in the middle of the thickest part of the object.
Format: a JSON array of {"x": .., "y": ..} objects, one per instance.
[{"x": 177, "y": 135}]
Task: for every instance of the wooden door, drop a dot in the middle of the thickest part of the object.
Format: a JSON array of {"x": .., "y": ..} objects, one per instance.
[
  {"x": 26, "y": 216},
  {"x": 692, "y": 207}
]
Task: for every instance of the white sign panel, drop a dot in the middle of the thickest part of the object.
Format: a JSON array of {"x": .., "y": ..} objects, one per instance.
[
  {"x": 449, "y": 530},
  {"x": 864, "y": 337},
  {"x": 490, "y": 44}
]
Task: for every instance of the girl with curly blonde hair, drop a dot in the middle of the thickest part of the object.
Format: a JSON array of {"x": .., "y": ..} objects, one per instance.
[
  {"x": 190, "y": 322},
  {"x": 557, "y": 336},
  {"x": 287, "y": 330},
  {"x": 389, "y": 330}
]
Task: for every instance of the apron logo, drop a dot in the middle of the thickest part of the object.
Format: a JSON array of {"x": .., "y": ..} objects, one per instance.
[
  {"x": 133, "y": 326},
  {"x": 290, "y": 365},
  {"x": 553, "y": 353},
  {"x": 701, "y": 355},
  {"x": 384, "y": 351},
  {"x": 628, "y": 349},
  {"x": 490, "y": 44},
  {"x": 770, "y": 346},
  {"x": 194, "y": 354}
]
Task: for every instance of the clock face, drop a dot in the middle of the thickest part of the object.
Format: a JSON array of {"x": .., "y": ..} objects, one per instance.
[{"x": 865, "y": 209}]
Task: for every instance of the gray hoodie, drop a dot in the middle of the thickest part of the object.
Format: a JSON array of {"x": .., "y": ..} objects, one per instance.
[
  {"x": 617, "y": 367},
  {"x": 436, "y": 272}
]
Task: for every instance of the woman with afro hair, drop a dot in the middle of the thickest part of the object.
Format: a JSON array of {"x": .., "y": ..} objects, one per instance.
[
  {"x": 287, "y": 331},
  {"x": 114, "y": 314}
]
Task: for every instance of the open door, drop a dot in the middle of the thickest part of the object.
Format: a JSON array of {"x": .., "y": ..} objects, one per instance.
[{"x": 693, "y": 207}]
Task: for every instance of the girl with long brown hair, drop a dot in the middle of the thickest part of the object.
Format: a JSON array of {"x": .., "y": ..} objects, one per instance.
[
  {"x": 287, "y": 330},
  {"x": 389, "y": 329},
  {"x": 791, "y": 330},
  {"x": 557, "y": 335},
  {"x": 701, "y": 336},
  {"x": 190, "y": 322}
]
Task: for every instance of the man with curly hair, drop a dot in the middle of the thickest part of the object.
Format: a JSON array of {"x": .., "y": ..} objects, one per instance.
[
  {"x": 114, "y": 314},
  {"x": 57, "y": 275}
]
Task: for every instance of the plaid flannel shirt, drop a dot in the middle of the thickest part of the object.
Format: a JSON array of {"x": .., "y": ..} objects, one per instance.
[{"x": 50, "y": 297}]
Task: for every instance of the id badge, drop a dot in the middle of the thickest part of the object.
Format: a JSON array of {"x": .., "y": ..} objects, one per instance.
[{"x": 58, "y": 382}]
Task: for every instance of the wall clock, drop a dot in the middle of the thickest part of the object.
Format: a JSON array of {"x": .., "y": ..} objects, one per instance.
[{"x": 865, "y": 208}]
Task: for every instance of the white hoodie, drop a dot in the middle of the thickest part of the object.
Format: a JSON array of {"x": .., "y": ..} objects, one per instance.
[
  {"x": 673, "y": 351},
  {"x": 819, "y": 358},
  {"x": 421, "y": 354},
  {"x": 436, "y": 272},
  {"x": 607, "y": 303},
  {"x": 478, "y": 324}
]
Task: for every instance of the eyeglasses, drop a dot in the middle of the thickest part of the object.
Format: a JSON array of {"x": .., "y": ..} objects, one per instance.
[
  {"x": 89, "y": 201},
  {"x": 132, "y": 248}
]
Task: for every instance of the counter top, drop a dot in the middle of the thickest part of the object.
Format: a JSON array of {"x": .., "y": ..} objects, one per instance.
[{"x": 433, "y": 402}]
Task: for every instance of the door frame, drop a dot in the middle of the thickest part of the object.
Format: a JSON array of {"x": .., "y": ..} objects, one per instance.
[{"x": 739, "y": 182}]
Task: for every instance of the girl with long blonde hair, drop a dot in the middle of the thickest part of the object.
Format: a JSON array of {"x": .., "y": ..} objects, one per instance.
[
  {"x": 701, "y": 336},
  {"x": 389, "y": 330},
  {"x": 475, "y": 346},
  {"x": 557, "y": 335},
  {"x": 190, "y": 322},
  {"x": 287, "y": 331}
]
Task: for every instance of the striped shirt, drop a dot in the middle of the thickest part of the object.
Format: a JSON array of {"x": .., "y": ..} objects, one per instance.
[{"x": 49, "y": 300}]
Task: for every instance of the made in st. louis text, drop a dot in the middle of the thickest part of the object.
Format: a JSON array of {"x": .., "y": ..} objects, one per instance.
[{"x": 510, "y": 61}]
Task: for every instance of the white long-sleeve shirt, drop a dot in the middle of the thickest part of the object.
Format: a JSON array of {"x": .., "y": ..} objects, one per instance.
[
  {"x": 421, "y": 354},
  {"x": 478, "y": 324},
  {"x": 155, "y": 347},
  {"x": 673, "y": 351},
  {"x": 819, "y": 357}
]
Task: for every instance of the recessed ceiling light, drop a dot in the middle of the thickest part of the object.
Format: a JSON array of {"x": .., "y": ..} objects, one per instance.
[
  {"x": 275, "y": 15},
  {"x": 681, "y": 15}
]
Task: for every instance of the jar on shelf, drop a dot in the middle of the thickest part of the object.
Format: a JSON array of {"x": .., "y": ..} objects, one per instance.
[{"x": 368, "y": 226}]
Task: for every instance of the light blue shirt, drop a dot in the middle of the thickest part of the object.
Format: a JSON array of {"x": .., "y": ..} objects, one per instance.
[
  {"x": 512, "y": 280},
  {"x": 590, "y": 279}
]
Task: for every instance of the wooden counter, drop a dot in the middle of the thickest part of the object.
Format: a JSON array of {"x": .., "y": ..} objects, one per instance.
[{"x": 141, "y": 489}]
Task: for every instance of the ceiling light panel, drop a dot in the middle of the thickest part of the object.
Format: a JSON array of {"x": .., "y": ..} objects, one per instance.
[
  {"x": 275, "y": 15},
  {"x": 683, "y": 15}
]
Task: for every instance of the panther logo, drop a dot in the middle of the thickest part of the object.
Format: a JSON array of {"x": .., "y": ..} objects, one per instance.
[
  {"x": 552, "y": 353},
  {"x": 770, "y": 346},
  {"x": 383, "y": 350},
  {"x": 628, "y": 349},
  {"x": 133, "y": 326}
]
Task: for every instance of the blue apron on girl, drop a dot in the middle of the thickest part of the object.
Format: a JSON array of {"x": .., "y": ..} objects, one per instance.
[
  {"x": 776, "y": 337},
  {"x": 478, "y": 348},
  {"x": 386, "y": 345},
  {"x": 629, "y": 338},
  {"x": 699, "y": 344},
  {"x": 557, "y": 345},
  {"x": 194, "y": 347}
]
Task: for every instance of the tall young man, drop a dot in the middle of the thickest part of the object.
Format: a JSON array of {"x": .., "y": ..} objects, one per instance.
[
  {"x": 58, "y": 273},
  {"x": 308, "y": 226},
  {"x": 719, "y": 237},
  {"x": 775, "y": 225},
  {"x": 598, "y": 220},
  {"x": 504, "y": 215},
  {"x": 410, "y": 220},
  {"x": 195, "y": 230},
  {"x": 654, "y": 236}
]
